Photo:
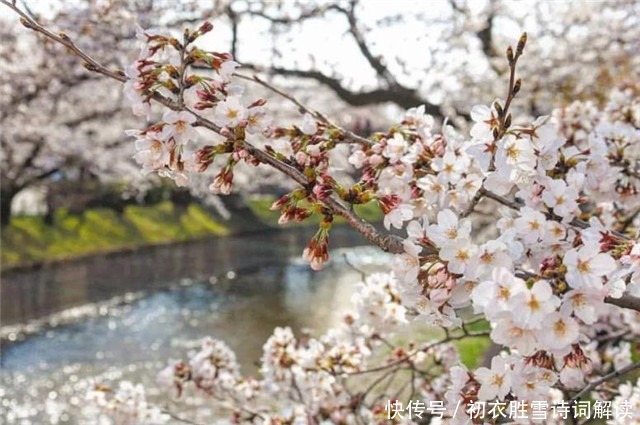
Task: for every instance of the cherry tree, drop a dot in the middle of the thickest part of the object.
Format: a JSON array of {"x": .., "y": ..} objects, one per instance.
[
  {"x": 554, "y": 271},
  {"x": 41, "y": 148},
  {"x": 440, "y": 55},
  {"x": 37, "y": 147}
]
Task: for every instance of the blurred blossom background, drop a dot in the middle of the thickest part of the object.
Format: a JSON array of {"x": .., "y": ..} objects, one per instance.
[{"x": 102, "y": 264}]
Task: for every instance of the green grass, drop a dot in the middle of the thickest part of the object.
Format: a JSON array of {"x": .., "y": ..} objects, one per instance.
[
  {"x": 472, "y": 350},
  {"x": 261, "y": 208},
  {"x": 29, "y": 239}
]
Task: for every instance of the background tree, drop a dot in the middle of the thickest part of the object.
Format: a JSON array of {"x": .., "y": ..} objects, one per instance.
[{"x": 442, "y": 55}]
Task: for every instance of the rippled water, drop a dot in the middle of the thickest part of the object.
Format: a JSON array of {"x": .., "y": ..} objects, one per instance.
[{"x": 235, "y": 289}]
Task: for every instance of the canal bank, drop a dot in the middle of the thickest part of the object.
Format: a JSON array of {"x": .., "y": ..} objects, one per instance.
[{"x": 29, "y": 243}]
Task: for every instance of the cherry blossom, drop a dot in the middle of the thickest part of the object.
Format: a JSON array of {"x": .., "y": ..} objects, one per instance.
[
  {"x": 558, "y": 331},
  {"x": 398, "y": 216},
  {"x": 531, "y": 225},
  {"x": 179, "y": 127},
  {"x": 494, "y": 382},
  {"x": 526, "y": 223},
  {"x": 560, "y": 197},
  {"x": 485, "y": 121},
  {"x": 309, "y": 125},
  {"x": 533, "y": 305},
  {"x": 459, "y": 255},
  {"x": 587, "y": 265},
  {"x": 229, "y": 112},
  {"x": 449, "y": 229}
]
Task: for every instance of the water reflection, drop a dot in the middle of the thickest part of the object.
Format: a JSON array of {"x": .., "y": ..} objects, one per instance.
[
  {"x": 27, "y": 295},
  {"x": 235, "y": 289}
]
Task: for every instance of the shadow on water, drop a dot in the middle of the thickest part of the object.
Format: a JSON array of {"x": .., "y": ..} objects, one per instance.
[{"x": 31, "y": 294}]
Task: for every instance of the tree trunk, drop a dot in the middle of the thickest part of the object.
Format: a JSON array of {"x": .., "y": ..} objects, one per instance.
[{"x": 6, "y": 198}]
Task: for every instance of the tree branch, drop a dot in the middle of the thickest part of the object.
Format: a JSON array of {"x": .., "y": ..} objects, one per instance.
[
  {"x": 63, "y": 39},
  {"x": 387, "y": 242},
  {"x": 399, "y": 95},
  {"x": 375, "y": 62},
  {"x": 594, "y": 384},
  {"x": 304, "y": 109},
  {"x": 626, "y": 301}
]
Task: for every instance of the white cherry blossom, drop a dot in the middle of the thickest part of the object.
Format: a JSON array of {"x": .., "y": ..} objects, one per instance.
[
  {"x": 449, "y": 228},
  {"x": 587, "y": 265},
  {"x": 229, "y": 112},
  {"x": 558, "y": 331},
  {"x": 179, "y": 127},
  {"x": 460, "y": 255},
  {"x": 533, "y": 305},
  {"x": 560, "y": 197},
  {"x": 398, "y": 216},
  {"x": 531, "y": 225},
  {"x": 494, "y": 382}
]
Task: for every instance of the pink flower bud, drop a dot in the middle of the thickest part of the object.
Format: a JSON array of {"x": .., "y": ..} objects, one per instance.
[{"x": 301, "y": 158}]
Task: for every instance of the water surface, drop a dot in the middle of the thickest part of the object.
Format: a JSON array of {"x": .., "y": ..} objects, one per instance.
[{"x": 236, "y": 289}]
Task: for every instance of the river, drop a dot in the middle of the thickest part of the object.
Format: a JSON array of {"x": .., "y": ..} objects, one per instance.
[{"x": 122, "y": 316}]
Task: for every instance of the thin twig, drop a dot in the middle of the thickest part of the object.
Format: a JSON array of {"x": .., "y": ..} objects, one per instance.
[
  {"x": 89, "y": 63},
  {"x": 363, "y": 275},
  {"x": 472, "y": 204},
  {"x": 180, "y": 418},
  {"x": 594, "y": 384},
  {"x": 350, "y": 136},
  {"x": 407, "y": 358}
]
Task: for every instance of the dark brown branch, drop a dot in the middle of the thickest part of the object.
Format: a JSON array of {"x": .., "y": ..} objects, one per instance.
[
  {"x": 287, "y": 20},
  {"x": 485, "y": 35},
  {"x": 626, "y": 301},
  {"x": 233, "y": 17},
  {"x": 32, "y": 156},
  {"x": 43, "y": 175},
  {"x": 595, "y": 384},
  {"x": 374, "y": 61},
  {"x": 396, "y": 93},
  {"x": 399, "y": 95}
]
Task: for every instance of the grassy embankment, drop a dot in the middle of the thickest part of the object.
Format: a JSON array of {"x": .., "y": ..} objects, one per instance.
[{"x": 29, "y": 240}]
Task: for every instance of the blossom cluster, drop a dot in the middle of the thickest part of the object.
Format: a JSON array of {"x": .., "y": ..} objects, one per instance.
[
  {"x": 127, "y": 405},
  {"x": 170, "y": 147},
  {"x": 541, "y": 274},
  {"x": 561, "y": 246}
]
